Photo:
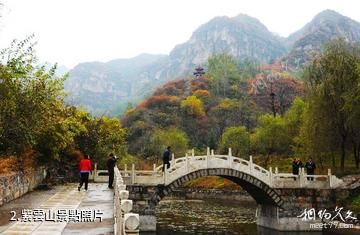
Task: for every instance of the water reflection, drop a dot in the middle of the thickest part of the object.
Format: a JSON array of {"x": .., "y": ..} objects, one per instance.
[{"x": 184, "y": 217}]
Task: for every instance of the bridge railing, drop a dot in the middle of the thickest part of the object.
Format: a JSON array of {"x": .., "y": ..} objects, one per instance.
[
  {"x": 125, "y": 222},
  {"x": 182, "y": 166}
]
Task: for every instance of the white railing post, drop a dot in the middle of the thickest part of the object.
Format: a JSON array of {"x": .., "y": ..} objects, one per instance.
[
  {"x": 302, "y": 177},
  {"x": 276, "y": 170},
  {"x": 133, "y": 174},
  {"x": 193, "y": 153},
  {"x": 173, "y": 159},
  {"x": 187, "y": 162},
  {"x": 329, "y": 178},
  {"x": 212, "y": 152},
  {"x": 251, "y": 163},
  {"x": 230, "y": 158},
  {"x": 154, "y": 168},
  {"x": 165, "y": 174},
  {"x": 270, "y": 176},
  {"x": 95, "y": 172},
  {"x": 207, "y": 157}
]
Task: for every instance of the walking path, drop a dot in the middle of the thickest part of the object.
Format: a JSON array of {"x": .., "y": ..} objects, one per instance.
[{"x": 69, "y": 205}]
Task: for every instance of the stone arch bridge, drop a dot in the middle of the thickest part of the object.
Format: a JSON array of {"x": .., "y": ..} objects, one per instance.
[{"x": 281, "y": 197}]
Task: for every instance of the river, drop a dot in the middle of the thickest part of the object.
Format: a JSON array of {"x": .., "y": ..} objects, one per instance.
[{"x": 185, "y": 217}]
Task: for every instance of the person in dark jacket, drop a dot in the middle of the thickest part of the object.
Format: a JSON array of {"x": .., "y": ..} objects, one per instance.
[
  {"x": 111, "y": 162},
  {"x": 166, "y": 158},
  {"x": 310, "y": 168},
  {"x": 85, "y": 170},
  {"x": 296, "y": 165}
]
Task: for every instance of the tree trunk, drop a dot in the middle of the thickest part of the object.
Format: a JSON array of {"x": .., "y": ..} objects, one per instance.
[
  {"x": 267, "y": 158},
  {"x": 356, "y": 154}
]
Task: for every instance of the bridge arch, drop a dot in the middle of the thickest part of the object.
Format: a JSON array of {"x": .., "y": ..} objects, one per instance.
[{"x": 262, "y": 193}]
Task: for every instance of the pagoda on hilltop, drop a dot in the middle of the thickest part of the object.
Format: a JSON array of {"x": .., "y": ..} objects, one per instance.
[{"x": 199, "y": 72}]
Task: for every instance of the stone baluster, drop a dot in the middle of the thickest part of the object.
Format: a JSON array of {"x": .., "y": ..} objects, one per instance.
[
  {"x": 251, "y": 163},
  {"x": 122, "y": 187},
  {"x": 131, "y": 223},
  {"x": 192, "y": 152},
  {"x": 212, "y": 152},
  {"x": 230, "y": 158},
  {"x": 302, "y": 178},
  {"x": 125, "y": 170},
  {"x": 186, "y": 162},
  {"x": 173, "y": 159},
  {"x": 154, "y": 169},
  {"x": 270, "y": 176},
  {"x": 330, "y": 178},
  {"x": 133, "y": 174},
  {"x": 123, "y": 194},
  {"x": 126, "y": 205},
  {"x": 95, "y": 171},
  {"x": 165, "y": 174},
  {"x": 207, "y": 157}
]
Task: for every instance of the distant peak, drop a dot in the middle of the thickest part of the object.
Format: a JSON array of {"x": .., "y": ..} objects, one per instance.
[
  {"x": 242, "y": 16},
  {"x": 329, "y": 15},
  {"x": 249, "y": 20},
  {"x": 328, "y": 12}
]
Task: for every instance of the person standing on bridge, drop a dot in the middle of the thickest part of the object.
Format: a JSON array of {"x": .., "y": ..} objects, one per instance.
[
  {"x": 296, "y": 165},
  {"x": 85, "y": 170},
  {"x": 111, "y": 162},
  {"x": 166, "y": 158},
  {"x": 310, "y": 168}
]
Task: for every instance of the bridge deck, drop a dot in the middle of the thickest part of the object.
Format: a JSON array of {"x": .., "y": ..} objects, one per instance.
[{"x": 67, "y": 197}]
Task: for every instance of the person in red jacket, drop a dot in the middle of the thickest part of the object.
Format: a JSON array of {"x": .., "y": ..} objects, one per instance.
[{"x": 85, "y": 170}]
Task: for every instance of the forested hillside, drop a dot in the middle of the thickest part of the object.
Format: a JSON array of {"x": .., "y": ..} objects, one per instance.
[{"x": 197, "y": 111}]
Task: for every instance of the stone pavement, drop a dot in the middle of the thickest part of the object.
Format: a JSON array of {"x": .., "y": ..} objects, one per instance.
[{"x": 67, "y": 197}]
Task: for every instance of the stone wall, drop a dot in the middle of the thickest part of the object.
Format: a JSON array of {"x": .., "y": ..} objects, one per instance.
[
  {"x": 216, "y": 194},
  {"x": 17, "y": 184},
  {"x": 296, "y": 201}
]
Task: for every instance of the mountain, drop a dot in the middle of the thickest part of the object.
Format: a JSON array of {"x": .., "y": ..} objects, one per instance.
[
  {"x": 241, "y": 36},
  {"x": 324, "y": 27},
  {"x": 107, "y": 88}
]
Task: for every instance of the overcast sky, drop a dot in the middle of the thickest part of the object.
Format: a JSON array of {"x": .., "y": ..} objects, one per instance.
[{"x": 74, "y": 31}]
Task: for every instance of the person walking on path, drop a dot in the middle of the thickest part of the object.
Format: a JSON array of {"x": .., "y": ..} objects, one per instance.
[
  {"x": 111, "y": 162},
  {"x": 166, "y": 158},
  {"x": 310, "y": 168},
  {"x": 85, "y": 170}
]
